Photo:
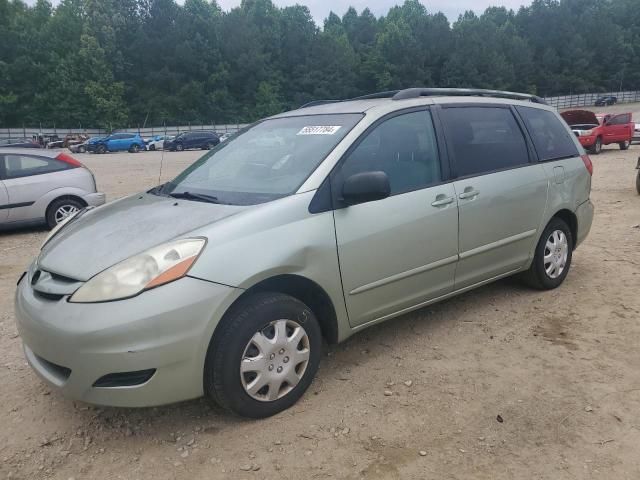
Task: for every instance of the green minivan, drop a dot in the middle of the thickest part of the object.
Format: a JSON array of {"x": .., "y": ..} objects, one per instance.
[{"x": 313, "y": 224}]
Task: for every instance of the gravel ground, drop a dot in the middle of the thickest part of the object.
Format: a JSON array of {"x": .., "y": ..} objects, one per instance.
[{"x": 503, "y": 382}]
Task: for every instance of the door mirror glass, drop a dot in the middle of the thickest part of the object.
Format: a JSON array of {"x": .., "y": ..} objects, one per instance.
[{"x": 366, "y": 187}]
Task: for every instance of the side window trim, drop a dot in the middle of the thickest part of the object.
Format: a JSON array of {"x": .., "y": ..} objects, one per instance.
[{"x": 448, "y": 140}]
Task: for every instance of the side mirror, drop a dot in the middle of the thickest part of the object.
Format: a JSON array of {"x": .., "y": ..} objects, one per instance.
[{"x": 366, "y": 187}]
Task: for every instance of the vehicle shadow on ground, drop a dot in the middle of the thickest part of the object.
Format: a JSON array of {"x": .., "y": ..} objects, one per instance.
[{"x": 203, "y": 416}]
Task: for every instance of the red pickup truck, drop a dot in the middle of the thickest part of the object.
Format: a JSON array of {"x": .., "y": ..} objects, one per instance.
[{"x": 594, "y": 131}]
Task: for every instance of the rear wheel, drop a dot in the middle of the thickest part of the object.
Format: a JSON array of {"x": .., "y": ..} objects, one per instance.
[
  {"x": 152, "y": 147},
  {"x": 597, "y": 147},
  {"x": 60, "y": 209},
  {"x": 638, "y": 183},
  {"x": 263, "y": 356},
  {"x": 208, "y": 146},
  {"x": 624, "y": 145},
  {"x": 179, "y": 147},
  {"x": 552, "y": 258},
  {"x": 135, "y": 148}
]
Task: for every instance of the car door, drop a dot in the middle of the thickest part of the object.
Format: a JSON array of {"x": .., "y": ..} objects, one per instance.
[
  {"x": 618, "y": 128},
  {"x": 399, "y": 252},
  {"x": 112, "y": 142},
  {"x": 501, "y": 193},
  {"x": 4, "y": 195},
  {"x": 27, "y": 179}
]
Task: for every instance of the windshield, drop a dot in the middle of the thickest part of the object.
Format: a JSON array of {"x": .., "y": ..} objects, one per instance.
[{"x": 268, "y": 160}]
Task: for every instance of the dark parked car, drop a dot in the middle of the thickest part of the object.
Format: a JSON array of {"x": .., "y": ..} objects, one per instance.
[
  {"x": 19, "y": 143},
  {"x": 201, "y": 139},
  {"x": 604, "y": 101}
]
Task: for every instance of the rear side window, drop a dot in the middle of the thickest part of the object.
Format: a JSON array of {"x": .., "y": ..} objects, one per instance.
[
  {"x": 484, "y": 139},
  {"x": 16, "y": 166},
  {"x": 551, "y": 138}
]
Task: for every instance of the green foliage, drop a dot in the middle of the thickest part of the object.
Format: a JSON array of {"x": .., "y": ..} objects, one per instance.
[{"x": 115, "y": 63}]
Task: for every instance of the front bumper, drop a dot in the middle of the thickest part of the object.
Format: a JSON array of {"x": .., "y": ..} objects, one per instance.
[
  {"x": 95, "y": 199},
  {"x": 168, "y": 329}
]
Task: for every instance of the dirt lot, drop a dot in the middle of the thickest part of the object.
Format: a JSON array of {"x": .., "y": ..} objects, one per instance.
[{"x": 560, "y": 368}]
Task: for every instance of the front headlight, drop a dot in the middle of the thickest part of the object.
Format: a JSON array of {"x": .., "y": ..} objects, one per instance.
[
  {"x": 155, "y": 267},
  {"x": 586, "y": 133}
]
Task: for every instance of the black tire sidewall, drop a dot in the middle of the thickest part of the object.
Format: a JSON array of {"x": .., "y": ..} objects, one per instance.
[
  {"x": 543, "y": 279},
  {"x": 222, "y": 369},
  {"x": 179, "y": 147},
  {"x": 55, "y": 205}
]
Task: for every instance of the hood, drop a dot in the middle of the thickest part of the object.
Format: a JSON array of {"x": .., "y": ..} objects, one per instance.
[
  {"x": 580, "y": 117},
  {"x": 118, "y": 230},
  {"x": 95, "y": 139}
]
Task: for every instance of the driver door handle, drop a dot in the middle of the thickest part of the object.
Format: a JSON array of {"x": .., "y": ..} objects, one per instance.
[
  {"x": 441, "y": 200},
  {"x": 469, "y": 194}
]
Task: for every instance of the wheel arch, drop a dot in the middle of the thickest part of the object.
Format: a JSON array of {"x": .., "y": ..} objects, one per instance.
[
  {"x": 305, "y": 290},
  {"x": 571, "y": 220}
]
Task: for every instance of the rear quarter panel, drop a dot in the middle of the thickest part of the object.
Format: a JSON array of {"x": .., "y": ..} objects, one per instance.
[{"x": 75, "y": 182}]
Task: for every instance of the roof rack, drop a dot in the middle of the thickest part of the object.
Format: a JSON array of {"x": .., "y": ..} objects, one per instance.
[
  {"x": 464, "y": 92},
  {"x": 408, "y": 93}
]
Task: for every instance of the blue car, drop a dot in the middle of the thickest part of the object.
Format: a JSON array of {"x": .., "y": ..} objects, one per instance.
[{"x": 116, "y": 142}]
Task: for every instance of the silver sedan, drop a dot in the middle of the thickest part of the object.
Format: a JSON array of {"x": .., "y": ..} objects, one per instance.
[{"x": 43, "y": 187}]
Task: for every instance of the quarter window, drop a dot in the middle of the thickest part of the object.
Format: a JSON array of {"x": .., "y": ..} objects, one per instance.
[
  {"x": 484, "y": 139},
  {"x": 16, "y": 166},
  {"x": 551, "y": 138},
  {"x": 404, "y": 147}
]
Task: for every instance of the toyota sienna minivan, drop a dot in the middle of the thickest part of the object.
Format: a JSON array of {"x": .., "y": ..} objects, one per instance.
[{"x": 313, "y": 224}]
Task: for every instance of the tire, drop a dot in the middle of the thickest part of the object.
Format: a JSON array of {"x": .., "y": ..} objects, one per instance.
[
  {"x": 254, "y": 318},
  {"x": 82, "y": 149},
  {"x": 208, "y": 146},
  {"x": 135, "y": 148},
  {"x": 624, "y": 145},
  {"x": 540, "y": 276},
  {"x": 101, "y": 149},
  {"x": 179, "y": 147},
  {"x": 638, "y": 183},
  {"x": 59, "y": 209},
  {"x": 152, "y": 148},
  {"x": 597, "y": 147}
]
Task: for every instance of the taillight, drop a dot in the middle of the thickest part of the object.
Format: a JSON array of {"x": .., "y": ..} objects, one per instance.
[
  {"x": 587, "y": 163},
  {"x": 68, "y": 159}
]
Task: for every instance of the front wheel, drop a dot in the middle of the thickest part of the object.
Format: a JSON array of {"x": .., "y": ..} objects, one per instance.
[
  {"x": 60, "y": 209},
  {"x": 179, "y": 147},
  {"x": 152, "y": 147},
  {"x": 638, "y": 183},
  {"x": 101, "y": 149},
  {"x": 264, "y": 355},
  {"x": 624, "y": 145},
  {"x": 552, "y": 258},
  {"x": 597, "y": 147}
]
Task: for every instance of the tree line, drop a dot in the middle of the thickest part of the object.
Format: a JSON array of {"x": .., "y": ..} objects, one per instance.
[{"x": 116, "y": 63}]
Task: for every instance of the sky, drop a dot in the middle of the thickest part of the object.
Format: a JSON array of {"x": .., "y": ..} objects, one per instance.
[{"x": 451, "y": 8}]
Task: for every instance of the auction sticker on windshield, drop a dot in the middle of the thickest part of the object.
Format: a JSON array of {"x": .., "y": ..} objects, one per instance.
[{"x": 319, "y": 130}]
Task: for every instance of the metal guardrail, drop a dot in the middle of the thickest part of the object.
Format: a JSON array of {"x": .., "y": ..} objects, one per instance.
[
  {"x": 589, "y": 99},
  {"x": 564, "y": 101},
  {"x": 45, "y": 133}
]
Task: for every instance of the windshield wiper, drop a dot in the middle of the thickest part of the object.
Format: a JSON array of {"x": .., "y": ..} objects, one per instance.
[{"x": 200, "y": 197}]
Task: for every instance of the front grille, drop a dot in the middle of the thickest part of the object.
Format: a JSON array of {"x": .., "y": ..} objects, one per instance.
[
  {"x": 58, "y": 371},
  {"x": 124, "y": 379}
]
